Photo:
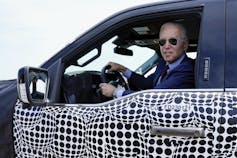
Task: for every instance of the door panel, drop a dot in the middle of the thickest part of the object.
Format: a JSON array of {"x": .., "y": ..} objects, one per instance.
[
  {"x": 211, "y": 52},
  {"x": 231, "y": 47},
  {"x": 229, "y": 133},
  {"x": 121, "y": 128}
]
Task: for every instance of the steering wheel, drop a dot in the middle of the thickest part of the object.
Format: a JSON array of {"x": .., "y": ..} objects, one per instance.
[{"x": 119, "y": 80}]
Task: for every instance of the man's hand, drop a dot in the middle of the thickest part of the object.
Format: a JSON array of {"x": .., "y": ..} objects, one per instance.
[
  {"x": 117, "y": 67},
  {"x": 107, "y": 89}
]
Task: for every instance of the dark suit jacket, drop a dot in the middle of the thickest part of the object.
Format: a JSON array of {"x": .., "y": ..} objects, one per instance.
[{"x": 181, "y": 76}]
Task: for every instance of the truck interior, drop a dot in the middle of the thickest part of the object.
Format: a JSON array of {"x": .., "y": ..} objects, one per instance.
[{"x": 134, "y": 45}]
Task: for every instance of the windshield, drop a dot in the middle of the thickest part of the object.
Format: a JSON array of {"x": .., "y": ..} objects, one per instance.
[{"x": 140, "y": 56}]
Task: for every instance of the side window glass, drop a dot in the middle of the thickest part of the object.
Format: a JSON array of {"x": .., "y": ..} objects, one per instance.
[
  {"x": 140, "y": 56},
  {"x": 86, "y": 58}
]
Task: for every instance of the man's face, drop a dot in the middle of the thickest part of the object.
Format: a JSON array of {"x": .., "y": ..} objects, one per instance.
[{"x": 172, "y": 50}]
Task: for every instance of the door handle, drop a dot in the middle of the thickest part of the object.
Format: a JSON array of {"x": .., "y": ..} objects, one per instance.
[{"x": 178, "y": 131}]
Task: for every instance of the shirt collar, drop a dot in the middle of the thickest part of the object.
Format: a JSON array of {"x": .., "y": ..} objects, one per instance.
[{"x": 176, "y": 63}]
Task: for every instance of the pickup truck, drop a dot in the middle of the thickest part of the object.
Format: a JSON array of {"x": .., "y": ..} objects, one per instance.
[{"x": 57, "y": 110}]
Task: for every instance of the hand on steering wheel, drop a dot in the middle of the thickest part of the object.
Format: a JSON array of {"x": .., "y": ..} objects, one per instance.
[
  {"x": 119, "y": 80},
  {"x": 115, "y": 80}
]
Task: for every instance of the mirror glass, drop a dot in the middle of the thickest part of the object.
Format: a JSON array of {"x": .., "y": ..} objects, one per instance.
[
  {"x": 37, "y": 84},
  {"x": 88, "y": 57}
]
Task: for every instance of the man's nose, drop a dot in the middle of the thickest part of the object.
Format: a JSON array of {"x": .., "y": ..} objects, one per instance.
[{"x": 167, "y": 45}]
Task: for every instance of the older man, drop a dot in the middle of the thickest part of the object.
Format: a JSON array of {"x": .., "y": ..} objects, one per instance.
[{"x": 175, "y": 71}]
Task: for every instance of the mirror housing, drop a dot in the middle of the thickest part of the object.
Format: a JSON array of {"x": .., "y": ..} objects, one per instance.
[{"x": 33, "y": 85}]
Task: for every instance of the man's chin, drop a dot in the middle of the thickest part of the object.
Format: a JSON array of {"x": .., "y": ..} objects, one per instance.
[{"x": 169, "y": 60}]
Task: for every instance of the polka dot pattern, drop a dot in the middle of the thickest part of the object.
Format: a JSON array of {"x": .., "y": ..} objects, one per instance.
[{"x": 122, "y": 128}]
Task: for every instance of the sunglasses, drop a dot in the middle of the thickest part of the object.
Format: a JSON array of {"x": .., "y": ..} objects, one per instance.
[{"x": 172, "y": 41}]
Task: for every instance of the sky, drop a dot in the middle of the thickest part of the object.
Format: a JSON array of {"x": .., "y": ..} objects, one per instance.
[{"x": 32, "y": 31}]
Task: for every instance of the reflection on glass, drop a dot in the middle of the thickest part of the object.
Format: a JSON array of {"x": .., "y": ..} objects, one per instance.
[{"x": 37, "y": 85}]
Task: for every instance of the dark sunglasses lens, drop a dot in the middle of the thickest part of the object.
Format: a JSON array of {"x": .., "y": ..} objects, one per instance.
[
  {"x": 173, "y": 41},
  {"x": 162, "y": 42}
]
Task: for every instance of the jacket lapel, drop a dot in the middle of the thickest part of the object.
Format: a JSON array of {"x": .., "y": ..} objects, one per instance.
[{"x": 158, "y": 71}]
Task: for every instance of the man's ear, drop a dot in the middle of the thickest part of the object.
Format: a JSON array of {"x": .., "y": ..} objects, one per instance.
[{"x": 185, "y": 45}]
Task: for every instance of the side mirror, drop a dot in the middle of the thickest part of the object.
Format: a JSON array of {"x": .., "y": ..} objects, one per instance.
[{"x": 33, "y": 85}]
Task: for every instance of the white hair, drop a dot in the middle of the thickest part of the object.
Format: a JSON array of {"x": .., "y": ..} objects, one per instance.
[{"x": 179, "y": 26}]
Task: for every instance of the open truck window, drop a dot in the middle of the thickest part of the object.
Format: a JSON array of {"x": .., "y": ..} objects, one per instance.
[{"x": 133, "y": 44}]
